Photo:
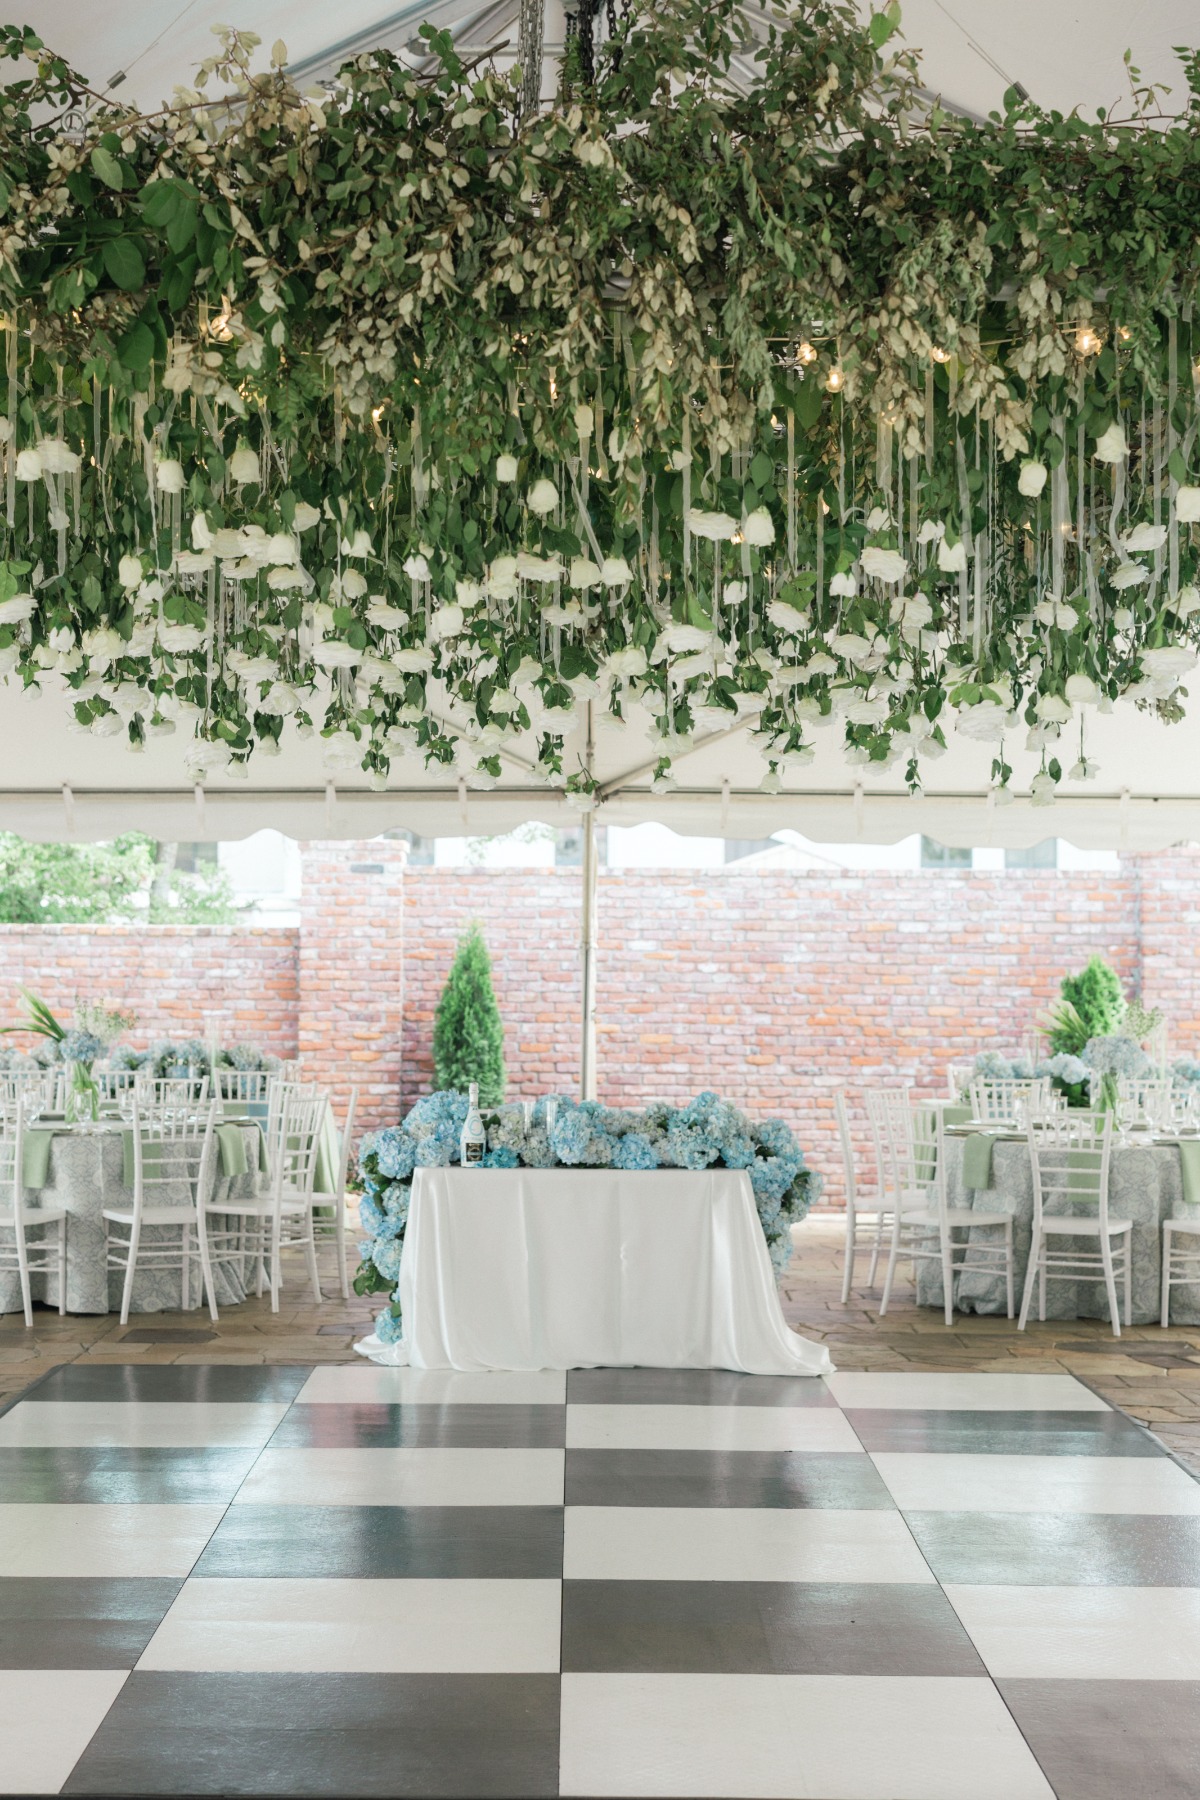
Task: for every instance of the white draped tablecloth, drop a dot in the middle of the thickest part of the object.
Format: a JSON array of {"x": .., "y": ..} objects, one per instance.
[{"x": 590, "y": 1268}]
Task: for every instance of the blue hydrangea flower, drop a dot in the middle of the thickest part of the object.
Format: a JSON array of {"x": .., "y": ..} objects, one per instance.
[
  {"x": 370, "y": 1215},
  {"x": 502, "y": 1157},
  {"x": 388, "y": 1328},
  {"x": 81, "y": 1046},
  {"x": 634, "y": 1151},
  {"x": 572, "y": 1135},
  {"x": 385, "y": 1254},
  {"x": 1116, "y": 1056},
  {"x": 395, "y": 1153},
  {"x": 437, "y": 1148}
]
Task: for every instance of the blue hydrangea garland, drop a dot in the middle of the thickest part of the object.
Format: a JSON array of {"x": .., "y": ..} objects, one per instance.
[{"x": 707, "y": 1133}]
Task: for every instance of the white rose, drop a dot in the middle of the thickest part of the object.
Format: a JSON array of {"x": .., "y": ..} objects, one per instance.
[
  {"x": 986, "y": 722},
  {"x": 539, "y": 568},
  {"x": 584, "y": 573},
  {"x": 917, "y": 613},
  {"x": 883, "y": 565},
  {"x": 281, "y": 547},
  {"x": 1129, "y": 574},
  {"x": 1187, "y": 505},
  {"x": 1081, "y": 690},
  {"x": 243, "y": 466},
  {"x": 843, "y": 585},
  {"x": 1145, "y": 537},
  {"x": 354, "y": 585},
  {"x": 29, "y": 465},
  {"x": 759, "y": 527},
  {"x": 1187, "y": 602},
  {"x": 1032, "y": 479},
  {"x": 786, "y": 617},
  {"x": 129, "y": 571},
  {"x": 446, "y": 622},
  {"x": 169, "y": 475},
  {"x": 201, "y": 535},
  {"x": 305, "y": 516},
  {"x": 416, "y": 567},
  {"x": 468, "y": 593},
  {"x": 180, "y": 638},
  {"x": 615, "y": 571},
  {"x": 1169, "y": 664},
  {"x": 1111, "y": 446},
  {"x": 335, "y": 653},
  {"x": 280, "y": 699},
  {"x": 506, "y": 468},
  {"x": 1052, "y": 709},
  {"x": 585, "y": 418},
  {"x": 712, "y": 525},
  {"x": 952, "y": 558},
  {"x": 57, "y": 457},
  {"x": 415, "y": 660},
  {"x": 542, "y": 497},
  {"x": 625, "y": 664},
  {"x": 286, "y": 579},
  {"x": 931, "y": 531},
  {"x": 358, "y": 545},
  {"x": 193, "y": 562}
]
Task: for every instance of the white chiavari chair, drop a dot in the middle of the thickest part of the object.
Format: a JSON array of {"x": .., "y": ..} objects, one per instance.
[
  {"x": 36, "y": 1091},
  {"x": 258, "y": 1228},
  {"x": 959, "y": 1077},
  {"x": 335, "y": 1226},
  {"x": 1009, "y": 1101},
  {"x": 117, "y": 1086},
  {"x": 172, "y": 1182},
  {"x": 1148, "y": 1101},
  {"x": 924, "y": 1223},
  {"x": 870, "y": 1214},
  {"x": 247, "y": 1088},
  {"x": 1070, "y": 1156},
  {"x": 19, "y": 1254},
  {"x": 170, "y": 1096},
  {"x": 1180, "y": 1259}
]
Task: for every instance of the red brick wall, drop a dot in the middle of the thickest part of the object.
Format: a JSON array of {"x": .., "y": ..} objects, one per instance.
[
  {"x": 178, "y": 980},
  {"x": 774, "y": 988}
]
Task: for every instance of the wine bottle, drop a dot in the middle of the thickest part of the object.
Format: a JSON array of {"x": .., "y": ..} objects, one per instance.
[{"x": 474, "y": 1138}]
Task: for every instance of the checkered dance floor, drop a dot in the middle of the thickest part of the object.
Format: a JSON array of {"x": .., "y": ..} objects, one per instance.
[{"x": 360, "y": 1581}]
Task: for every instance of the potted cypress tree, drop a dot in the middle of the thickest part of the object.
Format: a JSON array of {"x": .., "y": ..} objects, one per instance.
[{"x": 468, "y": 1035}]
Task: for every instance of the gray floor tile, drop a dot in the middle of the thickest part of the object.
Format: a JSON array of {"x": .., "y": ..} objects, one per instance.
[
  {"x": 692, "y": 1387},
  {"x": 744, "y": 1478},
  {"x": 514, "y": 1542},
  {"x": 1108, "y": 1740},
  {"x": 762, "y": 1628},
  {"x": 110, "y": 1475},
  {"x": 385, "y": 1427},
  {"x": 433, "y": 1736},
  {"x": 1002, "y": 1433},
  {"x": 61, "y": 1622},
  {"x": 982, "y": 1549},
  {"x": 173, "y": 1381}
]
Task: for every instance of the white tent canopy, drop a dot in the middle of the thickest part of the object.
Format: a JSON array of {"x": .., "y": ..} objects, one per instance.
[{"x": 58, "y": 781}]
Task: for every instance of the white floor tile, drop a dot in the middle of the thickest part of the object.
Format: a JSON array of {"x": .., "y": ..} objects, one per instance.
[
  {"x": 361, "y": 1627},
  {"x": 47, "y": 1719},
  {"x": 138, "y": 1424},
  {"x": 709, "y": 1428},
  {"x": 1084, "y": 1633},
  {"x": 434, "y": 1387},
  {"x": 793, "y": 1737},
  {"x": 287, "y": 1477},
  {"x": 722, "y": 1543},
  {"x": 1037, "y": 1484},
  {"x": 104, "y": 1540},
  {"x": 965, "y": 1392}
]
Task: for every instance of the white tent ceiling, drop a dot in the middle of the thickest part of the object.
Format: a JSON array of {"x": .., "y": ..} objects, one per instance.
[{"x": 58, "y": 782}]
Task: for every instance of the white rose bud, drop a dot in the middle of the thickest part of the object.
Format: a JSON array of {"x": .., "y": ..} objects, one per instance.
[
  {"x": 506, "y": 468},
  {"x": 542, "y": 497},
  {"x": 169, "y": 475},
  {"x": 759, "y": 527},
  {"x": 1032, "y": 479},
  {"x": 129, "y": 571},
  {"x": 243, "y": 466},
  {"x": 305, "y": 516},
  {"x": 1187, "y": 505},
  {"x": 29, "y": 465}
]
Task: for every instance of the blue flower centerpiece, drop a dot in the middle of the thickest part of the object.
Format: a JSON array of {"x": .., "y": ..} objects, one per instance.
[{"x": 707, "y": 1133}]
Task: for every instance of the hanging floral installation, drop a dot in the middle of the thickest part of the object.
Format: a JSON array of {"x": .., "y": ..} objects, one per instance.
[{"x": 399, "y": 413}]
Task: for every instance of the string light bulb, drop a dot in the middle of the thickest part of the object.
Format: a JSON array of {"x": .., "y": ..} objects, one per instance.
[
  {"x": 1087, "y": 342},
  {"x": 938, "y": 354},
  {"x": 806, "y": 352},
  {"x": 833, "y": 381},
  {"x": 377, "y": 412},
  {"x": 1124, "y": 333}
]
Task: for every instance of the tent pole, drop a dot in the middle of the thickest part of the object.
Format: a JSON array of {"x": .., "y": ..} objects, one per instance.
[{"x": 587, "y": 945}]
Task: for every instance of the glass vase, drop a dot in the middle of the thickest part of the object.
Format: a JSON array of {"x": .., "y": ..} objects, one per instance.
[{"x": 83, "y": 1095}]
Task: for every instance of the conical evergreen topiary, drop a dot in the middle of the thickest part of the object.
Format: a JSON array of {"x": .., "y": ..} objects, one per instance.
[{"x": 468, "y": 1036}]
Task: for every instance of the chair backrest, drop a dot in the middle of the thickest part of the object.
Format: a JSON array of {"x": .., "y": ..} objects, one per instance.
[
  {"x": 293, "y": 1156},
  {"x": 1147, "y": 1100},
  {"x": 1069, "y": 1155},
  {"x": 116, "y": 1084},
  {"x": 32, "y": 1089},
  {"x": 959, "y": 1077},
  {"x": 843, "y": 1124},
  {"x": 249, "y": 1086},
  {"x": 12, "y": 1141},
  {"x": 171, "y": 1095},
  {"x": 172, "y": 1155},
  {"x": 909, "y": 1140},
  {"x": 347, "y": 1142},
  {"x": 1009, "y": 1100}
]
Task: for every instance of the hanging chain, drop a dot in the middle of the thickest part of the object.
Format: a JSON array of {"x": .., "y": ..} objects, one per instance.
[{"x": 530, "y": 34}]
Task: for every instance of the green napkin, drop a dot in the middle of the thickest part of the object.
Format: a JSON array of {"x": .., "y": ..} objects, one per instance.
[
  {"x": 1189, "y": 1162},
  {"x": 329, "y": 1152},
  {"x": 958, "y": 1114},
  {"x": 35, "y": 1158},
  {"x": 977, "y": 1161},
  {"x": 232, "y": 1146}
]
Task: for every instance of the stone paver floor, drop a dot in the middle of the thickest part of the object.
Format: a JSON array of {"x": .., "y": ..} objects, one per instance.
[{"x": 1152, "y": 1375}]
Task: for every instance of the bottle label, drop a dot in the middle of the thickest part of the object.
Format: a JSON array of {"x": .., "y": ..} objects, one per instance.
[{"x": 472, "y": 1153}]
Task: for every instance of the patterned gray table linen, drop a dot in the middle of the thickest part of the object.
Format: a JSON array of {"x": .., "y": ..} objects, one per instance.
[
  {"x": 86, "y": 1174},
  {"x": 1145, "y": 1185}
]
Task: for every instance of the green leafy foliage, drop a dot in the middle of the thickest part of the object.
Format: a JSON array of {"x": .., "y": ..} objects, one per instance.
[
  {"x": 468, "y": 1035},
  {"x": 1092, "y": 1005},
  {"x": 94, "y": 884}
]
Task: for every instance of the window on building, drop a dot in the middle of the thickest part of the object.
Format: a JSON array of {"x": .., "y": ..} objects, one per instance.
[
  {"x": 568, "y": 847},
  {"x": 736, "y": 848},
  {"x": 943, "y": 856},
  {"x": 420, "y": 849},
  {"x": 1035, "y": 856},
  {"x": 193, "y": 858}
]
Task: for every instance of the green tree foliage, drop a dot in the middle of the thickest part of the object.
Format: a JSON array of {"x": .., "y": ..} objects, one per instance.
[
  {"x": 468, "y": 1036},
  {"x": 91, "y": 884},
  {"x": 1092, "y": 1005}
]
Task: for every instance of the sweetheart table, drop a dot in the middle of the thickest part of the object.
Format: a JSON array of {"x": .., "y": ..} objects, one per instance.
[{"x": 590, "y": 1268}]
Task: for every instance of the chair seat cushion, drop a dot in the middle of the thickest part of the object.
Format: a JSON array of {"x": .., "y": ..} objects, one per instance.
[
  {"x": 1191, "y": 1226},
  {"x": 1055, "y": 1222},
  {"x": 35, "y": 1215}
]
